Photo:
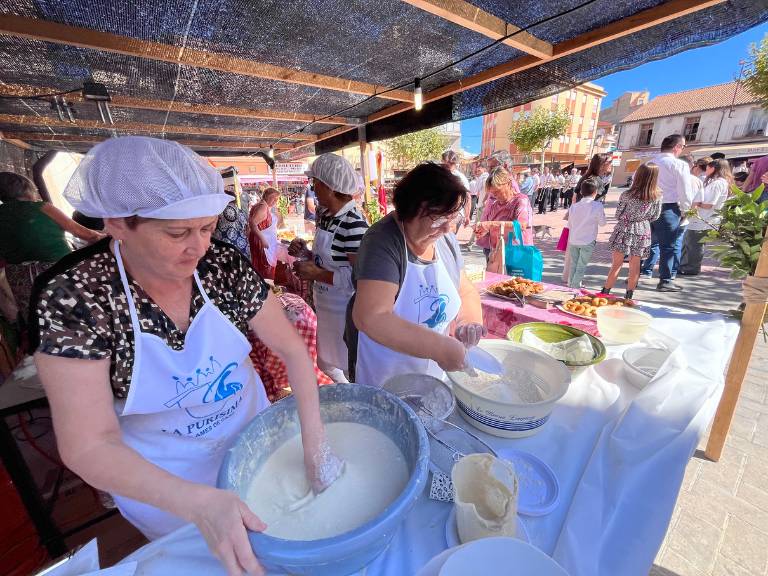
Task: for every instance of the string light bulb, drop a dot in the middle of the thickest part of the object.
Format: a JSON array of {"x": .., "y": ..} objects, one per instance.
[
  {"x": 271, "y": 151},
  {"x": 418, "y": 97}
]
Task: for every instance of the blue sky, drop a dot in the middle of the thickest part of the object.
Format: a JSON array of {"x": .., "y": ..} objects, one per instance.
[{"x": 692, "y": 69}]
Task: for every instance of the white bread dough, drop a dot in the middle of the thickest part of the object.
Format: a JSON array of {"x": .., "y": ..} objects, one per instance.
[{"x": 375, "y": 473}]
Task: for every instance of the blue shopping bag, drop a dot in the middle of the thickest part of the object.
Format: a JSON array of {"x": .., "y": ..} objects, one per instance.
[{"x": 521, "y": 260}]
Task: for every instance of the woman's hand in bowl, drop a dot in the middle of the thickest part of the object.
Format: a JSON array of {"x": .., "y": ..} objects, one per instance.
[
  {"x": 222, "y": 518},
  {"x": 323, "y": 468}
]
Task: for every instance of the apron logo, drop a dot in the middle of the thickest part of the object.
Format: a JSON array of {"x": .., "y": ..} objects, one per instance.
[
  {"x": 208, "y": 392},
  {"x": 431, "y": 305}
]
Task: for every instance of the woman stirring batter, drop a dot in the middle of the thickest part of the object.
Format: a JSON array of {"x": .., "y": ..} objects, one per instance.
[{"x": 143, "y": 352}]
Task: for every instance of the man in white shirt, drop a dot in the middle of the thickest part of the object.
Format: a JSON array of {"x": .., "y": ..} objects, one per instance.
[
  {"x": 451, "y": 161},
  {"x": 666, "y": 232},
  {"x": 544, "y": 190},
  {"x": 477, "y": 188}
]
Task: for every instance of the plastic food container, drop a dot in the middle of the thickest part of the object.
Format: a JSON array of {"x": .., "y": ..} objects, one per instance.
[
  {"x": 642, "y": 364},
  {"x": 551, "y": 332},
  {"x": 349, "y": 552},
  {"x": 622, "y": 324},
  {"x": 475, "y": 272},
  {"x": 513, "y": 419}
]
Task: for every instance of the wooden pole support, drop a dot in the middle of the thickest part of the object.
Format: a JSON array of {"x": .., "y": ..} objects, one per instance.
[
  {"x": 361, "y": 136},
  {"x": 751, "y": 321}
]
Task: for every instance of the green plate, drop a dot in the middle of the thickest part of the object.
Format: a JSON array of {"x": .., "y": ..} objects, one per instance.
[{"x": 551, "y": 332}]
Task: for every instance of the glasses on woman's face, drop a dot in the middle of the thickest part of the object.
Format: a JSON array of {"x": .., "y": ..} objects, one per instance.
[{"x": 439, "y": 221}]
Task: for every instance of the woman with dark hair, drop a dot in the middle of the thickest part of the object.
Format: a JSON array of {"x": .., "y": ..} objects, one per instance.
[
  {"x": 756, "y": 172},
  {"x": 411, "y": 287},
  {"x": 32, "y": 235},
  {"x": 599, "y": 166}
]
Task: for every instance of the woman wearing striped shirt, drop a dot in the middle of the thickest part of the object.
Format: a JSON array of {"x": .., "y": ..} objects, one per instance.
[{"x": 340, "y": 228}]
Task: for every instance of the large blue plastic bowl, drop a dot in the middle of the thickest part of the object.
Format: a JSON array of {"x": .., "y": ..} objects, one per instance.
[{"x": 351, "y": 551}]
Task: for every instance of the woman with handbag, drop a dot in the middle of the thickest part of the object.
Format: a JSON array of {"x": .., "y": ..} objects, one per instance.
[{"x": 505, "y": 205}]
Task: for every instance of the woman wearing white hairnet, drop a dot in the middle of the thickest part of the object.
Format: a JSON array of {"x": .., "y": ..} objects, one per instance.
[
  {"x": 143, "y": 350},
  {"x": 339, "y": 230}
]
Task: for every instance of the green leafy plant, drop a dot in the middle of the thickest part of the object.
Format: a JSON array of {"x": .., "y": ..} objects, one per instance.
[
  {"x": 410, "y": 149},
  {"x": 282, "y": 205},
  {"x": 738, "y": 238},
  {"x": 373, "y": 210},
  {"x": 536, "y": 132},
  {"x": 756, "y": 73}
]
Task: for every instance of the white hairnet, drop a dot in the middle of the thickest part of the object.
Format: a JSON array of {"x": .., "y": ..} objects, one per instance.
[
  {"x": 140, "y": 176},
  {"x": 335, "y": 172}
]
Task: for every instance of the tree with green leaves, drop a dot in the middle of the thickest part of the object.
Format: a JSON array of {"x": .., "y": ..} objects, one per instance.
[
  {"x": 410, "y": 149},
  {"x": 537, "y": 131},
  {"x": 756, "y": 74}
]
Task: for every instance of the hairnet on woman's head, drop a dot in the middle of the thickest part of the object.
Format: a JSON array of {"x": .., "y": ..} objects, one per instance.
[{"x": 148, "y": 177}]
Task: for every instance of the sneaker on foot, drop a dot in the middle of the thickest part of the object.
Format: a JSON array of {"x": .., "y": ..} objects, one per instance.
[{"x": 668, "y": 286}]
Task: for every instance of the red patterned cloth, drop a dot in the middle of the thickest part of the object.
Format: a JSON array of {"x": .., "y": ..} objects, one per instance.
[
  {"x": 500, "y": 315},
  {"x": 269, "y": 366}
]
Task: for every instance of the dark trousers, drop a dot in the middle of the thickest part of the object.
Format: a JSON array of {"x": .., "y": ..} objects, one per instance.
[
  {"x": 474, "y": 207},
  {"x": 568, "y": 198},
  {"x": 665, "y": 235},
  {"x": 554, "y": 196},
  {"x": 693, "y": 252},
  {"x": 543, "y": 198}
]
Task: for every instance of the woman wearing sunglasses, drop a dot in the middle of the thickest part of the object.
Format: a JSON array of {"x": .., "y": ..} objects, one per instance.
[{"x": 414, "y": 311}]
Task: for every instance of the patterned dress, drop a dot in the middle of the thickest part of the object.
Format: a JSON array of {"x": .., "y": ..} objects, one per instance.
[{"x": 632, "y": 233}]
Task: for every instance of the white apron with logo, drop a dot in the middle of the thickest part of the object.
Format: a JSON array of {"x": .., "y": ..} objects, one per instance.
[
  {"x": 330, "y": 301},
  {"x": 428, "y": 296},
  {"x": 184, "y": 407},
  {"x": 270, "y": 234}
]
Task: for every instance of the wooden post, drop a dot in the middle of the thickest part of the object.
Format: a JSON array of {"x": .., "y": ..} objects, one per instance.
[
  {"x": 361, "y": 136},
  {"x": 751, "y": 321}
]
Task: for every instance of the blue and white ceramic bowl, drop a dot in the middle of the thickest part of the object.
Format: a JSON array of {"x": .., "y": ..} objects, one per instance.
[{"x": 522, "y": 365}]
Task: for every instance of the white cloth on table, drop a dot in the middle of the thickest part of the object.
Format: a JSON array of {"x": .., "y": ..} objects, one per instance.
[{"x": 619, "y": 455}]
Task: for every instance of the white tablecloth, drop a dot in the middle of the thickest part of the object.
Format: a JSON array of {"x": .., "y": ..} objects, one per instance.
[{"x": 619, "y": 455}]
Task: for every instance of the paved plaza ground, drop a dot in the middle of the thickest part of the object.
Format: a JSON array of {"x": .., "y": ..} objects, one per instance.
[{"x": 720, "y": 524}]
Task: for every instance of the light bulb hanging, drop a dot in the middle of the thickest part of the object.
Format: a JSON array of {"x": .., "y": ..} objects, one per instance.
[{"x": 418, "y": 98}]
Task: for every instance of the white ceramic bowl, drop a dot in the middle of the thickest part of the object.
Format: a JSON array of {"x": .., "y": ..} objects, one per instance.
[
  {"x": 642, "y": 363},
  {"x": 622, "y": 324},
  {"x": 510, "y": 419},
  {"x": 489, "y": 555}
]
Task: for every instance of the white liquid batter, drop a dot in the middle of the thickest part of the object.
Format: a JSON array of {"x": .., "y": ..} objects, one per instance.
[{"x": 375, "y": 474}]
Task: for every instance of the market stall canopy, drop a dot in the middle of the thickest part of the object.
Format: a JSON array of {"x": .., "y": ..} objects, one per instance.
[{"x": 311, "y": 76}]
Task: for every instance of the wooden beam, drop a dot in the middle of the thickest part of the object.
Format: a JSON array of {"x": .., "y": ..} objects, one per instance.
[
  {"x": 24, "y": 137},
  {"x": 30, "y": 120},
  {"x": 473, "y": 18},
  {"x": 751, "y": 321},
  {"x": 47, "y": 31},
  {"x": 180, "y": 106},
  {"x": 14, "y": 141},
  {"x": 624, "y": 27}
]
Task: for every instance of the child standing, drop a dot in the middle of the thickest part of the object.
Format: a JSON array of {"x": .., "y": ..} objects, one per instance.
[
  {"x": 584, "y": 217},
  {"x": 638, "y": 207}
]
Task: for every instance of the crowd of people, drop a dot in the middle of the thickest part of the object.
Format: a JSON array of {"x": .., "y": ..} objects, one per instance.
[{"x": 661, "y": 219}]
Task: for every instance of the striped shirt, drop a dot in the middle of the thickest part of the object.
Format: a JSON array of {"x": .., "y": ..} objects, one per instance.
[{"x": 347, "y": 226}]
